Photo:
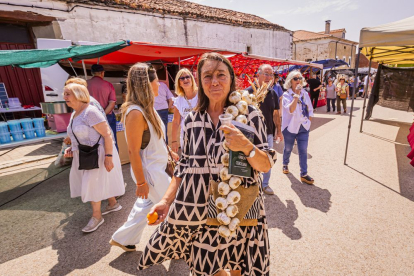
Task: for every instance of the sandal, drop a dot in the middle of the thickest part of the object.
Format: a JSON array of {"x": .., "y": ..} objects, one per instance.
[
  {"x": 307, "y": 179},
  {"x": 285, "y": 169},
  {"x": 127, "y": 248}
]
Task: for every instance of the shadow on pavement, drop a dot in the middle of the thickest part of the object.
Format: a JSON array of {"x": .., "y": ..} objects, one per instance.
[
  {"x": 316, "y": 122},
  {"x": 47, "y": 216},
  {"x": 127, "y": 263},
  {"x": 282, "y": 217},
  {"x": 311, "y": 196},
  {"x": 402, "y": 148}
]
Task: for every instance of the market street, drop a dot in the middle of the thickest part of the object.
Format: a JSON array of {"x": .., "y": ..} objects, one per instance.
[{"x": 356, "y": 219}]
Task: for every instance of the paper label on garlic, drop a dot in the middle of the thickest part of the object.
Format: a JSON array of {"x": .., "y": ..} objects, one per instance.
[{"x": 238, "y": 164}]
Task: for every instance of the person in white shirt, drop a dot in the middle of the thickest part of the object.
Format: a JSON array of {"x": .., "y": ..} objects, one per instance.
[
  {"x": 162, "y": 103},
  {"x": 297, "y": 115},
  {"x": 186, "y": 89}
]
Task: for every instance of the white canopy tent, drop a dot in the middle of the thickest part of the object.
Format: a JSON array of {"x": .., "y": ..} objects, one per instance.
[{"x": 391, "y": 43}]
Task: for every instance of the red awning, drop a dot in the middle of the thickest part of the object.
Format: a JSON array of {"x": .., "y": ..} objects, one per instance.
[
  {"x": 145, "y": 52},
  {"x": 245, "y": 64}
]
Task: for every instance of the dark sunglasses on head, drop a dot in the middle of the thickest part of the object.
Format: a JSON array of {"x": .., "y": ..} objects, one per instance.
[
  {"x": 183, "y": 78},
  {"x": 297, "y": 78}
]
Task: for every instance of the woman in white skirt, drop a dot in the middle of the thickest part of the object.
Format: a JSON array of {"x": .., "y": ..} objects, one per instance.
[
  {"x": 88, "y": 126},
  {"x": 186, "y": 89},
  {"x": 144, "y": 132}
]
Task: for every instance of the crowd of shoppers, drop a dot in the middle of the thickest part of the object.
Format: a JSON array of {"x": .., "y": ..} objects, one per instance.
[{"x": 183, "y": 204}]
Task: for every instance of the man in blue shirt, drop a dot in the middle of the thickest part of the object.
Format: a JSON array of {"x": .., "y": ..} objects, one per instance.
[{"x": 277, "y": 88}]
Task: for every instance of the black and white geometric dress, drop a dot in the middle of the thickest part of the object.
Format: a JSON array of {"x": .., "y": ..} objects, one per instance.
[{"x": 185, "y": 234}]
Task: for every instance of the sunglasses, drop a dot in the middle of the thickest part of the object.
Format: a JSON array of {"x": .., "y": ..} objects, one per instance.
[
  {"x": 297, "y": 78},
  {"x": 185, "y": 78}
]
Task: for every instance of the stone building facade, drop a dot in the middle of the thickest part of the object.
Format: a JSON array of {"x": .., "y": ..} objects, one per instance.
[
  {"x": 172, "y": 22},
  {"x": 330, "y": 44}
]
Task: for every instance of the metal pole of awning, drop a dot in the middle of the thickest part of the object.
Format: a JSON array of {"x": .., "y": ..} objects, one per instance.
[
  {"x": 355, "y": 88},
  {"x": 84, "y": 70},
  {"x": 366, "y": 91}
]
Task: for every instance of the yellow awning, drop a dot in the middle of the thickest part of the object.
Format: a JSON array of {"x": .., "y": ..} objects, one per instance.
[{"x": 391, "y": 43}]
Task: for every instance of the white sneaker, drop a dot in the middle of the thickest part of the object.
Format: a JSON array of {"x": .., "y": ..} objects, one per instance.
[
  {"x": 267, "y": 190},
  {"x": 93, "y": 224},
  {"x": 114, "y": 208}
]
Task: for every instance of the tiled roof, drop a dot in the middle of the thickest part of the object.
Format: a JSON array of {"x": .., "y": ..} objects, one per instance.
[
  {"x": 189, "y": 10},
  {"x": 334, "y": 31},
  {"x": 307, "y": 35}
]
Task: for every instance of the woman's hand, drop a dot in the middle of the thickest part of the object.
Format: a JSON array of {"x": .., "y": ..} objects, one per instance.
[
  {"x": 109, "y": 165},
  {"x": 68, "y": 152},
  {"x": 142, "y": 191},
  {"x": 236, "y": 141},
  {"x": 162, "y": 209},
  {"x": 174, "y": 146}
]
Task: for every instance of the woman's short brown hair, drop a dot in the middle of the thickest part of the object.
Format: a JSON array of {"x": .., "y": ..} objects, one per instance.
[{"x": 203, "y": 100}]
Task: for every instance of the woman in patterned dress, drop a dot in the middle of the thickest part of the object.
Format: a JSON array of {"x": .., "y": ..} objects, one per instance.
[{"x": 184, "y": 209}]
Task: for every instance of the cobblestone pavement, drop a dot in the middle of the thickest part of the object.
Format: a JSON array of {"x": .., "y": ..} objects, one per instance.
[{"x": 358, "y": 219}]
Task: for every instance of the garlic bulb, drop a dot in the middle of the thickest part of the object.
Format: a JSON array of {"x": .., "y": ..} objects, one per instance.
[
  {"x": 241, "y": 119},
  {"x": 235, "y": 182},
  {"x": 233, "y": 197},
  {"x": 224, "y": 174},
  {"x": 225, "y": 159},
  {"x": 233, "y": 234},
  {"x": 235, "y": 97},
  {"x": 233, "y": 224},
  {"x": 223, "y": 218},
  {"x": 246, "y": 97},
  {"x": 224, "y": 231},
  {"x": 242, "y": 107},
  {"x": 225, "y": 147},
  {"x": 232, "y": 210},
  {"x": 233, "y": 111},
  {"x": 223, "y": 188},
  {"x": 221, "y": 203}
]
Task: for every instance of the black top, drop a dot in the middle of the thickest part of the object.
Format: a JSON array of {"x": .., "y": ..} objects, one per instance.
[
  {"x": 146, "y": 137},
  {"x": 313, "y": 83},
  {"x": 268, "y": 106}
]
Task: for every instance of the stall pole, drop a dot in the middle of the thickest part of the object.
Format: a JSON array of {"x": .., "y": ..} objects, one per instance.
[
  {"x": 352, "y": 104},
  {"x": 366, "y": 92},
  {"x": 73, "y": 68},
  {"x": 179, "y": 64},
  {"x": 84, "y": 70}
]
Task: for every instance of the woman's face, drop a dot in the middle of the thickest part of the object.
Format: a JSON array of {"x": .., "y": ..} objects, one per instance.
[
  {"x": 342, "y": 81},
  {"x": 216, "y": 81},
  {"x": 185, "y": 81},
  {"x": 330, "y": 82},
  {"x": 155, "y": 84},
  {"x": 70, "y": 98},
  {"x": 296, "y": 80}
]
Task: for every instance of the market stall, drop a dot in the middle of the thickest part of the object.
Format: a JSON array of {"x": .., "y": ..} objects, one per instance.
[
  {"x": 246, "y": 65},
  {"x": 391, "y": 43},
  {"x": 28, "y": 130}
]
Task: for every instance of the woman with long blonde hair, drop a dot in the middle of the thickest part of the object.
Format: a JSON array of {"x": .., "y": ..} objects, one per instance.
[
  {"x": 144, "y": 133},
  {"x": 186, "y": 89}
]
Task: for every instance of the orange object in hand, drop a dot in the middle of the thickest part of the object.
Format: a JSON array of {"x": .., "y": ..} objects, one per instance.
[{"x": 152, "y": 217}]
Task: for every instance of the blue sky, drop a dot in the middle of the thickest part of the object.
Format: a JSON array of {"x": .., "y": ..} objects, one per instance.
[{"x": 309, "y": 15}]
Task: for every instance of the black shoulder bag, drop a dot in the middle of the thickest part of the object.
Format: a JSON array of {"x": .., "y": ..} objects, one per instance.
[{"x": 88, "y": 156}]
